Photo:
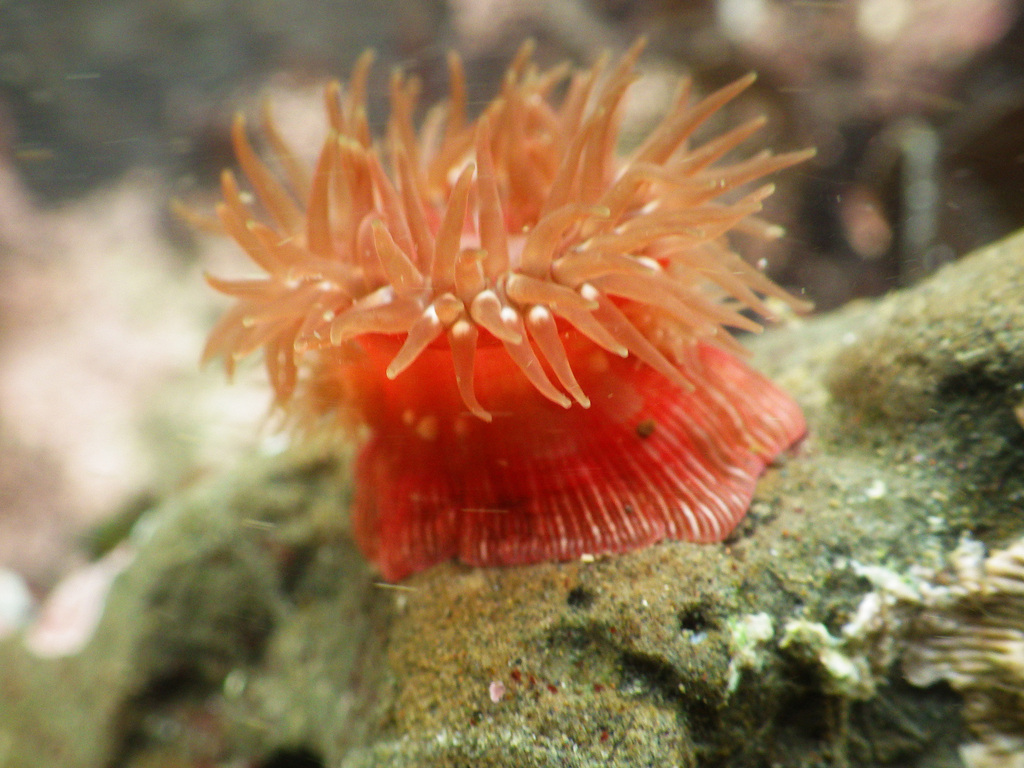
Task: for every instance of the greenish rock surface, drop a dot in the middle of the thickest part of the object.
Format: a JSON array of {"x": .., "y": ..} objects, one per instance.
[{"x": 249, "y": 629}]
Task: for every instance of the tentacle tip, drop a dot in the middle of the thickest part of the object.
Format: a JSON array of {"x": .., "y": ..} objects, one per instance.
[
  {"x": 481, "y": 414},
  {"x": 797, "y": 304}
]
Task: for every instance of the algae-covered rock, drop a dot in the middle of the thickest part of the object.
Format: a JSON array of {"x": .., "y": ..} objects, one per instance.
[
  {"x": 249, "y": 629},
  {"x": 207, "y": 596},
  {"x": 957, "y": 336},
  {"x": 942, "y": 367}
]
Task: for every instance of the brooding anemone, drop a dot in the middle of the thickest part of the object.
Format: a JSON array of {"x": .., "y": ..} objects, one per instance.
[{"x": 529, "y": 328}]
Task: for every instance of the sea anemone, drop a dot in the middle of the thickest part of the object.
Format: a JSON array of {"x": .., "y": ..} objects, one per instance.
[{"x": 527, "y": 330}]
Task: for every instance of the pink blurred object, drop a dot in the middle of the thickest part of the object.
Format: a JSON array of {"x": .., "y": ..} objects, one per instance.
[
  {"x": 496, "y": 690},
  {"x": 72, "y": 611}
]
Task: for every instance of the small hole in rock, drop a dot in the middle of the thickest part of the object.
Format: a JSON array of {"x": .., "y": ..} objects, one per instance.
[
  {"x": 695, "y": 619},
  {"x": 579, "y": 597}
]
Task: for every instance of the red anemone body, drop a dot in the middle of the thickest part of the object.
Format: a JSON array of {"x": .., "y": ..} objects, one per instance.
[{"x": 649, "y": 460}]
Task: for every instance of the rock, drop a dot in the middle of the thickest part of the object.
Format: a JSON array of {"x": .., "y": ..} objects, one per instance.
[
  {"x": 942, "y": 366},
  {"x": 248, "y": 627},
  {"x": 955, "y": 337}
]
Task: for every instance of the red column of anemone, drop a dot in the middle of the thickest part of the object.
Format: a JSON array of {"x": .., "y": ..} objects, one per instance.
[{"x": 648, "y": 460}]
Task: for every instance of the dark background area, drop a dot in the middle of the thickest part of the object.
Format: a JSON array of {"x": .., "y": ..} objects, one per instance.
[{"x": 915, "y": 105}]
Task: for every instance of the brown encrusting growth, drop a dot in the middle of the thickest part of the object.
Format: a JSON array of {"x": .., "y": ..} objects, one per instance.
[
  {"x": 530, "y": 327},
  {"x": 970, "y": 634}
]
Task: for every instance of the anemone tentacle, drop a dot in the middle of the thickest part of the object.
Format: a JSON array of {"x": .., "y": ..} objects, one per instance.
[{"x": 505, "y": 230}]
